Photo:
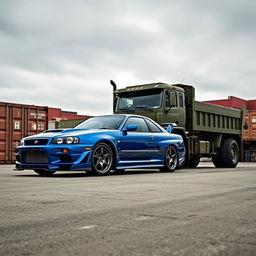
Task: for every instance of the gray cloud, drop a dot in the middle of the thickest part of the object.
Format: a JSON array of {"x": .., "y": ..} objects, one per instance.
[{"x": 63, "y": 53}]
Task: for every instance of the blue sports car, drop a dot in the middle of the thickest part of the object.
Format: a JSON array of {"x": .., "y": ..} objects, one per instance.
[{"x": 101, "y": 144}]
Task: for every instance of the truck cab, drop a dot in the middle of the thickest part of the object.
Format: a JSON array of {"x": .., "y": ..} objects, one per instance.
[{"x": 162, "y": 102}]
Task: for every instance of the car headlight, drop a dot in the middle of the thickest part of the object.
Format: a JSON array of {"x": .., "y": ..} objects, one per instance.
[
  {"x": 66, "y": 140},
  {"x": 59, "y": 141},
  {"x": 69, "y": 140}
]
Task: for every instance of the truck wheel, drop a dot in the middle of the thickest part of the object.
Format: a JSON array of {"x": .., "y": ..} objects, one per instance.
[
  {"x": 193, "y": 162},
  {"x": 170, "y": 160},
  {"x": 44, "y": 173},
  {"x": 217, "y": 161},
  {"x": 230, "y": 153},
  {"x": 102, "y": 159}
]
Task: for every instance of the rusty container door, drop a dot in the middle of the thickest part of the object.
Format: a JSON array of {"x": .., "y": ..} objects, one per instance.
[
  {"x": 246, "y": 132},
  {"x": 250, "y": 133},
  {"x": 16, "y": 122}
]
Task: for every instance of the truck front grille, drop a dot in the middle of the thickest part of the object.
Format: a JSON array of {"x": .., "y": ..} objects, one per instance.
[{"x": 36, "y": 157}]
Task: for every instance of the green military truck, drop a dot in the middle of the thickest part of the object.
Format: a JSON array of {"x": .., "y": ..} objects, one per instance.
[{"x": 207, "y": 130}]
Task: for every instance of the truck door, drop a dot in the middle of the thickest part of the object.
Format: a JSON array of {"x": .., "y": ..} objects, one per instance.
[{"x": 176, "y": 114}]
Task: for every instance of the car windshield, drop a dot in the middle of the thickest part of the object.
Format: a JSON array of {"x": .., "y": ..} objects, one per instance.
[
  {"x": 148, "y": 99},
  {"x": 102, "y": 122}
]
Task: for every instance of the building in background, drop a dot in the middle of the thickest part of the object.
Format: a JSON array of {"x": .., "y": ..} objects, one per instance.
[
  {"x": 19, "y": 120},
  {"x": 249, "y": 135}
]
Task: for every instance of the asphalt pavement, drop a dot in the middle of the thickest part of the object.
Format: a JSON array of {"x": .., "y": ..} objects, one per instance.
[{"x": 202, "y": 211}]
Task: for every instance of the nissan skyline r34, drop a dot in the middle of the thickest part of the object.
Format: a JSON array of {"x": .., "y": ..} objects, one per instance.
[{"x": 101, "y": 144}]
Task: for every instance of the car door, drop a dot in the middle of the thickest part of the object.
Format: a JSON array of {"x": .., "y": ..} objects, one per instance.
[{"x": 137, "y": 145}]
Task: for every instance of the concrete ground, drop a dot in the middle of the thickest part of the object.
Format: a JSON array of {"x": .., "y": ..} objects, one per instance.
[{"x": 202, "y": 211}]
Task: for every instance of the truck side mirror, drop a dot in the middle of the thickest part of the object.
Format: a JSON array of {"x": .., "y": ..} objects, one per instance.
[
  {"x": 173, "y": 99},
  {"x": 170, "y": 100}
]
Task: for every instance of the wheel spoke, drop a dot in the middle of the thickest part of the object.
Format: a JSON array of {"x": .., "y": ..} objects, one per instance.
[
  {"x": 102, "y": 159},
  {"x": 171, "y": 158}
]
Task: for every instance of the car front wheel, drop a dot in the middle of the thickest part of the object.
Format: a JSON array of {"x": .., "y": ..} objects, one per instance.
[
  {"x": 102, "y": 159},
  {"x": 171, "y": 160}
]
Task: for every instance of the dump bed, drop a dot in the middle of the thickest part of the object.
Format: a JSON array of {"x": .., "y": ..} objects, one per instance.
[{"x": 206, "y": 117}]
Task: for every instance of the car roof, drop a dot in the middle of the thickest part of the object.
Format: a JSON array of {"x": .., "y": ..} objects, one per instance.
[{"x": 127, "y": 115}]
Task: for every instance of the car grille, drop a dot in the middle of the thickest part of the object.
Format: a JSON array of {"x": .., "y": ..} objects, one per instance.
[
  {"x": 35, "y": 142},
  {"x": 36, "y": 157}
]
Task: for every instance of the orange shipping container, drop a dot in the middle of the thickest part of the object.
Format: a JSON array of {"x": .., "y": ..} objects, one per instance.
[
  {"x": 18, "y": 121},
  {"x": 250, "y": 133}
]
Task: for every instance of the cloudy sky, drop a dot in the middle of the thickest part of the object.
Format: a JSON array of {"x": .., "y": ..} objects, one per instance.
[{"x": 63, "y": 53}]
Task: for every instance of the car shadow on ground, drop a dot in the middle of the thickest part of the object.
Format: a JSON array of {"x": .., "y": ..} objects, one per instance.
[
  {"x": 88, "y": 174},
  {"x": 69, "y": 174}
]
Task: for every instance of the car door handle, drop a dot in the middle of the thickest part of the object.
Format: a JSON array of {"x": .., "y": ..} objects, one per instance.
[{"x": 150, "y": 137}]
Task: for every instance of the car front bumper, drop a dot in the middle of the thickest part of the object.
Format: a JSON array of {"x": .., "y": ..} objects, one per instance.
[{"x": 53, "y": 157}]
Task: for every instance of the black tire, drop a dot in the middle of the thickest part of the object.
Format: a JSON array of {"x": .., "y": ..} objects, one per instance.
[
  {"x": 230, "y": 153},
  {"x": 102, "y": 159},
  {"x": 44, "y": 173},
  {"x": 217, "y": 161},
  {"x": 170, "y": 160},
  {"x": 193, "y": 162}
]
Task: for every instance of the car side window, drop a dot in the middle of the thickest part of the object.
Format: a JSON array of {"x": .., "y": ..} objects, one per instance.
[
  {"x": 141, "y": 124},
  {"x": 152, "y": 127}
]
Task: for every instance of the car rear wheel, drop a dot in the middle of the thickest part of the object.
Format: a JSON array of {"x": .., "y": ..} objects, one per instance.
[
  {"x": 102, "y": 159},
  {"x": 45, "y": 173},
  {"x": 171, "y": 160}
]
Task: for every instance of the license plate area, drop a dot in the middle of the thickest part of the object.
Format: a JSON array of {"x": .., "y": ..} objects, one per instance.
[{"x": 36, "y": 157}]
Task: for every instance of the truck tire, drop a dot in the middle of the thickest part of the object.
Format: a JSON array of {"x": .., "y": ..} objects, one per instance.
[
  {"x": 193, "y": 162},
  {"x": 216, "y": 159},
  {"x": 229, "y": 153}
]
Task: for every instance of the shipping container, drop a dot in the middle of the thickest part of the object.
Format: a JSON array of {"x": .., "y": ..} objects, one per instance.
[
  {"x": 68, "y": 123},
  {"x": 250, "y": 155},
  {"x": 251, "y": 104},
  {"x": 18, "y": 121},
  {"x": 58, "y": 114},
  {"x": 250, "y": 133},
  {"x": 230, "y": 102}
]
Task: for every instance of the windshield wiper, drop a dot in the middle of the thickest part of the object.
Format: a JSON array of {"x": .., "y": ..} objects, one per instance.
[{"x": 143, "y": 107}]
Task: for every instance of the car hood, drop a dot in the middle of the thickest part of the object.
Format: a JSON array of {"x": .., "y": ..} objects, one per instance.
[{"x": 69, "y": 132}]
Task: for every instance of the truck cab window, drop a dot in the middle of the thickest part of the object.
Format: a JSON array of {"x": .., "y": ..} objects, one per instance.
[
  {"x": 139, "y": 100},
  {"x": 173, "y": 99},
  {"x": 181, "y": 100}
]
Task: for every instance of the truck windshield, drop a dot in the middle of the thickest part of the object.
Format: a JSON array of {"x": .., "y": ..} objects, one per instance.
[{"x": 148, "y": 99}]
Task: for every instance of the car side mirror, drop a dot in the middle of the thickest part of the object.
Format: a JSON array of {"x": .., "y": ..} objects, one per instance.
[{"x": 131, "y": 127}]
